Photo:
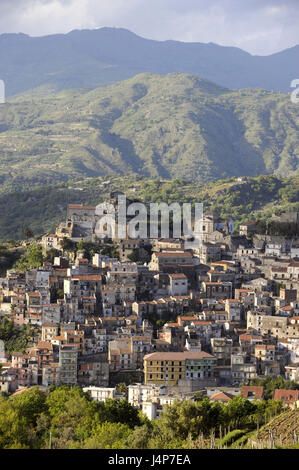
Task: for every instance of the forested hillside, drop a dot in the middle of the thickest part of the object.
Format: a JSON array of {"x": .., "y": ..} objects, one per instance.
[
  {"x": 43, "y": 208},
  {"x": 173, "y": 126}
]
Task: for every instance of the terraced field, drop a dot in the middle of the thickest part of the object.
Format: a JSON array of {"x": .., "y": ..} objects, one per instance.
[{"x": 282, "y": 431}]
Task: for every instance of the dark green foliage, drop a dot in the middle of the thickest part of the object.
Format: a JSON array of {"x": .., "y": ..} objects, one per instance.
[
  {"x": 15, "y": 339},
  {"x": 51, "y": 254},
  {"x": 159, "y": 320},
  {"x": 284, "y": 229},
  {"x": 134, "y": 256},
  {"x": 32, "y": 258},
  {"x": 122, "y": 388},
  {"x": 139, "y": 438},
  {"x": 119, "y": 411},
  {"x": 45, "y": 207},
  {"x": 74, "y": 421},
  {"x": 67, "y": 245},
  {"x": 28, "y": 232},
  {"x": 69, "y": 414},
  {"x": 8, "y": 257},
  {"x": 270, "y": 384}
]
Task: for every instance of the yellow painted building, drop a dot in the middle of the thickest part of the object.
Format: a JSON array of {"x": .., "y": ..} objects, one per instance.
[
  {"x": 225, "y": 265},
  {"x": 168, "y": 368}
]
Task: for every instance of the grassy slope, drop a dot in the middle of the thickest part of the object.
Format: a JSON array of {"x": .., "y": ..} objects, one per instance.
[{"x": 169, "y": 126}]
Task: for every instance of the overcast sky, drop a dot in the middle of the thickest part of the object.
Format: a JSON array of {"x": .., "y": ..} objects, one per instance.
[{"x": 257, "y": 26}]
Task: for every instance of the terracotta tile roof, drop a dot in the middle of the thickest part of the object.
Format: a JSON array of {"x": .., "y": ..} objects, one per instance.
[
  {"x": 174, "y": 254},
  {"x": 87, "y": 277},
  {"x": 245, "y": 337},
  {"x": 44, "y": 345},
  {"x": 265, "y": 346},
  {"x": 141, "y": 338},
  {"x": 221, "y": 396},
  {"x": 177, "y": 356},
  {"x": 286, "y": 395},
  {"x": 247, "y": 390}
]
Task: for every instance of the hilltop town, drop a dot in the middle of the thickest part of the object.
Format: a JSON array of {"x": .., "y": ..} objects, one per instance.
[{"x": 167, "y": 321}]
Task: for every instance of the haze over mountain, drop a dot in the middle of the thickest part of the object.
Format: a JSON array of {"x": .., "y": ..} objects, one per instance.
[
  {"x": 170, "y": 126},
  {"x": 91, "y": 58}
]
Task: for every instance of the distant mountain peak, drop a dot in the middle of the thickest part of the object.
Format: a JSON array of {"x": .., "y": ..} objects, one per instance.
[{"x": 94, "y": 57}]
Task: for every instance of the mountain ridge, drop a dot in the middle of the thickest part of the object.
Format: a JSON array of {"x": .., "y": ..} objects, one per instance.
[
  {"x": 91, "y": 58},
  {"x": 155, "y": 125}
]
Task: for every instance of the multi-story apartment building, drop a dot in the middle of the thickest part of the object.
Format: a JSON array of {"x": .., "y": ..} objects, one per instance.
[
  {"x": 169, "y": 368},
  {"x": 243, "y": 367},
  {"x": 68, "y": 356},
  {"x": 100, "y": 393},
  {"x": 222, "y": 349}
]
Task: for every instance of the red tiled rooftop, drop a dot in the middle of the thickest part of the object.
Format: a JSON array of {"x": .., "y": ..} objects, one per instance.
[
  {"x": 286, "y": 395},
  {"x": 257, "y": 391}
]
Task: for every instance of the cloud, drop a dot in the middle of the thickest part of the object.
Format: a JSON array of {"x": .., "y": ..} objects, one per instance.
[{"x": 258, "y": 26}]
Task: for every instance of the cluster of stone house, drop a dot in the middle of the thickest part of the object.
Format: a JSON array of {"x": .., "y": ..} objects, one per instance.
[{"x": 217, "y": 315}]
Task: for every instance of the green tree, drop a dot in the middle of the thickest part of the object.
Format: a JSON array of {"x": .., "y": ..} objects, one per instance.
[
  {"x": 32, "y": 258},
  {"x": 67, "y": 244},
  {"x": 13, "y": 427},
  {"x": 30, "y": 405},
  {"x": 73, "y": 416},
  {"x": 139, "y": 438},
  {"x": 272, "y": 383},
  {"x": 238, "y": 410},
  {"x": 51, "y": 254},
  {"x": 119, "y": 411},
  {"x": 134, "y": 256},
  {"x": 108, "y": 436},
  {"x": 122, "y": 388},
  {"x": 28, "y": 233}
]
